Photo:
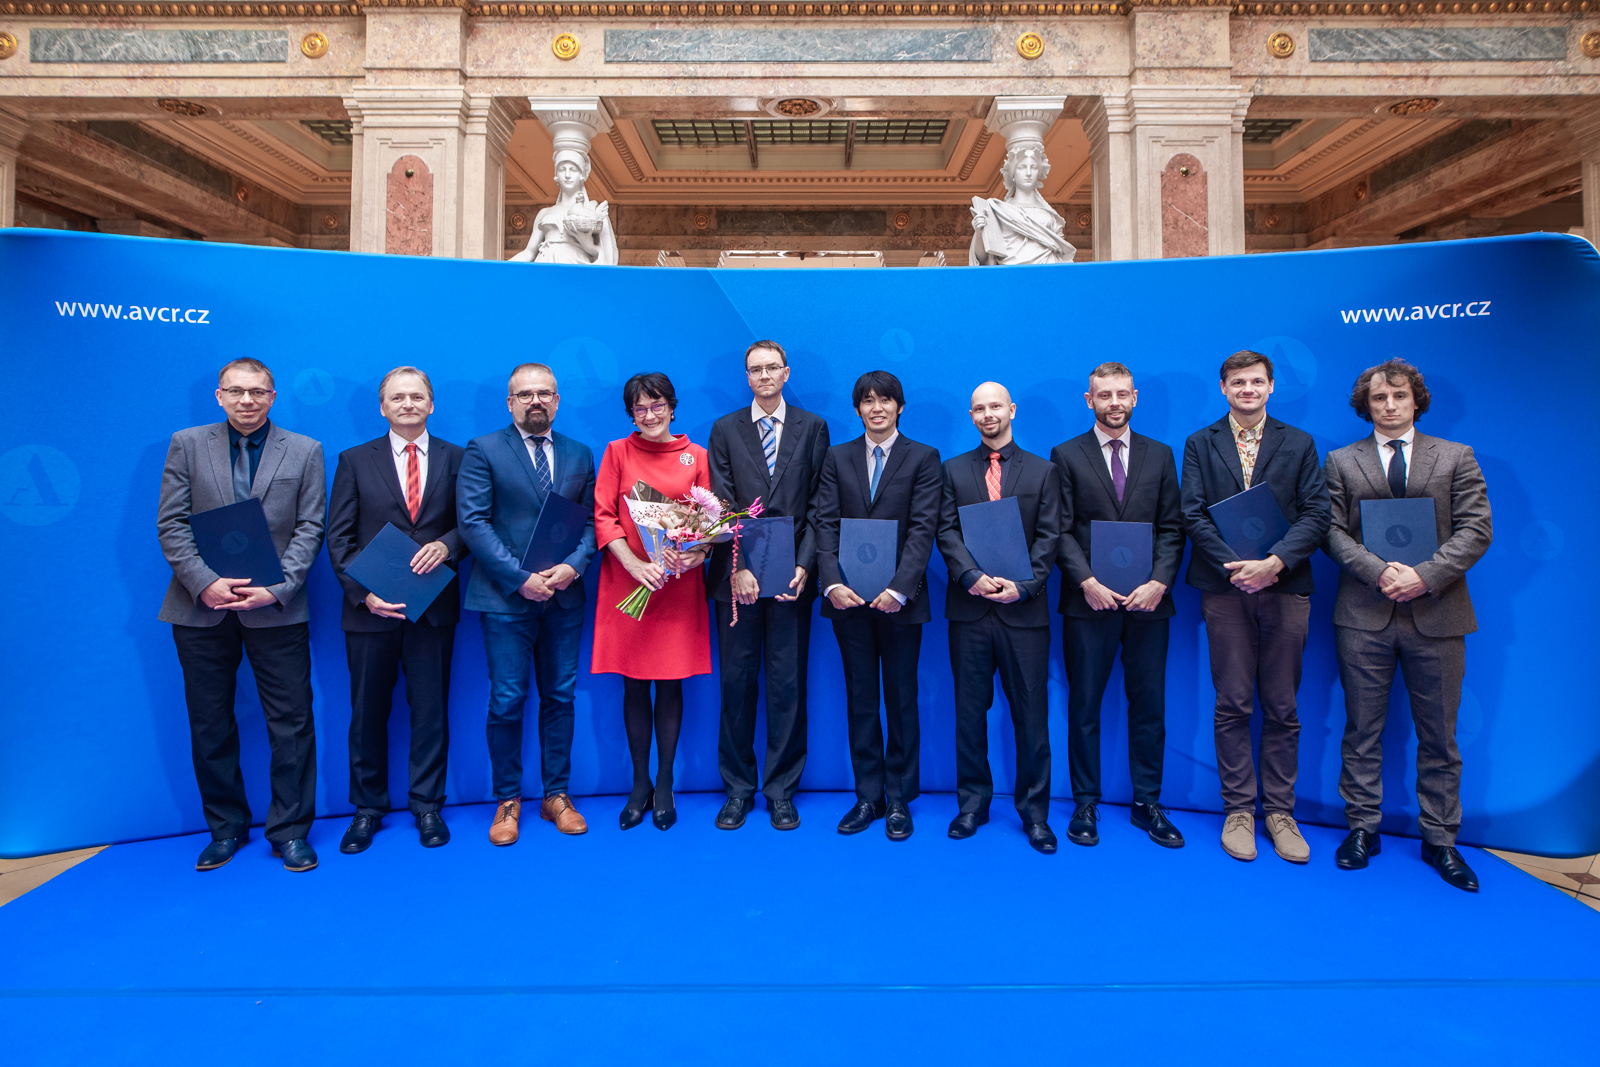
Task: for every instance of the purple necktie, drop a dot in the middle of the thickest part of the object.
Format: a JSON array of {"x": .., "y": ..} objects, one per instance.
[{"x": 1119, "y": 477}]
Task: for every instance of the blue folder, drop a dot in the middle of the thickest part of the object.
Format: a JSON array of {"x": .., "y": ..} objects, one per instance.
[
  {"x": 992, "y": 532},
  {"x": 867, "y": 549},
  {"x": 556, "y": 532},
  {"x": 1121, "y": 554},
  {"x": 1400, "y": 531},
  {"x": 236, "y": 543},
  {"x": 766, "y": 549},
  {"x": 1251, "y": 522},
  {"x": 384, "y": 568}
]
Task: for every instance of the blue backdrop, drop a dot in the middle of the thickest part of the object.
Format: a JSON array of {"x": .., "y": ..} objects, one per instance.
[{"x": 112, "y": 343}]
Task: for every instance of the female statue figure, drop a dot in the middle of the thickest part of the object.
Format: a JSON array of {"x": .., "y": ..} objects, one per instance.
[
  {"x": 572, "y": 230},
  {"x": 1022, "y": 228}
]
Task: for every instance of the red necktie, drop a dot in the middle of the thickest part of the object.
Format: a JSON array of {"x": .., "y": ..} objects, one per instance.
[
  {"x": 992, "y": 478},
  {"x": 413, "y": 482}
]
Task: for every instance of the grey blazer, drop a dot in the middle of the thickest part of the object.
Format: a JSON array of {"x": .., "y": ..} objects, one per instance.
[
  {"x": 1442, "y": 469},
  {"x": 198, "y": 477}
]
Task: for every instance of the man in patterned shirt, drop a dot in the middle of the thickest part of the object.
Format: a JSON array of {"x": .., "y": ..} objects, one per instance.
[{"x": 1257, "y": 611}]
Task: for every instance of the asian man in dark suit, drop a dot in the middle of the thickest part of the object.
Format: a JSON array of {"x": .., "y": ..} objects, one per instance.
[
  {"x": 882, "y": 474},
  {"x": 527, "y": 615},
  {"x": 1416, "y": 617},
  {"x": 773, "y": 451},
  {"x": 1111, "y": 474},
  {"x": 1257, "y": 612},
  {"x": 406, "y": 478},
  {"x": 216, "y": 621},
  {"x": 1000, "y": 624}
]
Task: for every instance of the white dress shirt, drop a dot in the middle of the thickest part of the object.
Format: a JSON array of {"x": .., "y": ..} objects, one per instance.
[
  {"x": 397, "y": 445},
  {"x": 1105, "y": 440},
  {"x": 1386, "y": 454},
  {"x": 779, "y": 416},
  {"x": 549, "y": 448},
  {"x": 871, "y": 459}
]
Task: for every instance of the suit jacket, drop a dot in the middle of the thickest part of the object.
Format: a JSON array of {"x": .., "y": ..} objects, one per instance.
[
  {"x": 909, "y": 492},
  {"x": 739, "y": 476},
  {"x": 367, "y": 494},
  {"x": 497, "y": 504},
  {"x": 1444, "y": 470},
  {"x": 1033, "y": 481},
  {"x": 1287, "y": 462},
  {"x": 198, "y": 476},
  {"x": 1150, "y": 494}
]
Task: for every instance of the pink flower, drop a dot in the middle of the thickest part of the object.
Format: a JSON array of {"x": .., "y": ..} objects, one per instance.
[
  {"x": 706, "y": 501},
  {"x": 755, "y": 507}
]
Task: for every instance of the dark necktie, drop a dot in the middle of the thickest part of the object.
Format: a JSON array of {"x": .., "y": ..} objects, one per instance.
[
  {"x": 877, "y": 470},
  {"x": 992, "y": 477},
  {"x": 1119, "y": 476},
  {"x": 541, "y": 466},
  {"x": 241, "y": 472},
  {"x": 1397, "y": 470}
]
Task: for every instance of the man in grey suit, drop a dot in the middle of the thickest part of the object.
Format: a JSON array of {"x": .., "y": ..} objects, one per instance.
[
  {"x": 1390, "y": 613},
  {"x": 216, "y": 620}
]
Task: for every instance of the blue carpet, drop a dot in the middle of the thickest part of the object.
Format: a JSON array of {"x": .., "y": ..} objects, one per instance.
[{"x": 766, "y": 948}]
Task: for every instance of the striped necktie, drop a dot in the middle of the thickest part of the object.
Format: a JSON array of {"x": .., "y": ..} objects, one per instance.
[
  {"x": 769, "y": 442},
  {"x": 413, "y": 482},
  {"x": 541, "y": 465}
]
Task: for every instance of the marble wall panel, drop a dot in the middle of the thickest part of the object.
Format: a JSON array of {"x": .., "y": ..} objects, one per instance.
[
  {"x": 1185, "y": 212},
  {"x": 714, "y": 44},
  {"x": 158, "y": 46},
  {"x": 408, "y": 230},
  {"x": 1371, "y": 44}
]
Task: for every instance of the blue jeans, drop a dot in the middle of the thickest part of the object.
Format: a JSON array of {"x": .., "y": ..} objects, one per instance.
[{"x": 549, "y": 638}]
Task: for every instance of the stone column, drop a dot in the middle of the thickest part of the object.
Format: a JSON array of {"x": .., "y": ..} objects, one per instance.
[
  {"x": 12, "y": 129},
  {"x": 572, "y": 121}
]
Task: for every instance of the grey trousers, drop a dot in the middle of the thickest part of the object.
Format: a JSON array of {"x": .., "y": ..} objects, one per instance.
[
  {"x": 1433, "y": 667},
  {"x": 1256, "y": 643}
]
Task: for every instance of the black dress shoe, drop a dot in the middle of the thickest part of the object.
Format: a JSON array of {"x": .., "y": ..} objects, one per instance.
[
  {"x": 1041, "y": 837},
  {"x": 1356, "y": 849},
  {"x": 431, "y": 829},
  {"x": 1152, "y": 819},
  {"x": 297, "y": 855},
  {"x": 898, "y": 824},
  {"x": 783, "y": 813},
  {"x": 359, "y": 836},
  {"x": 1081, "y": 830},
  {"x": 863, "y": 815},
  {"x": 664, "y": 812},
  {"x": 966, "y": 824},
  {"x": 633, "y": 811},
  {"x": 731, "y": 817},
  {"x": 1451, "y": 867},
  {"x": 218, "y": 852}
]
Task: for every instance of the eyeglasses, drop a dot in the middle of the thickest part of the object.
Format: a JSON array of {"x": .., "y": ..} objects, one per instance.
[
  {"x": 254, "y": 394},
  {"x": 654, "y": 409},
  {"x": 543, "y": 396},
  {"x": 769, "y": 370}
]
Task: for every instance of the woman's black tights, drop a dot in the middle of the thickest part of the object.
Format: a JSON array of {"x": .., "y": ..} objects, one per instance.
[{"x": 637, "y": 717}]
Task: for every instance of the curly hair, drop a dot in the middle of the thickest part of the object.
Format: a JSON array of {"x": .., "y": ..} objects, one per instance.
[
  {"x": 1394, "y": 372},
  {"x": 1008, "y": 169}
]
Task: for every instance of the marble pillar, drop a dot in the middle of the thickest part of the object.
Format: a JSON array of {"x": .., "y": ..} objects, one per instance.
[
  {"x": 572, "y": 121},
  {"x": 12, "y": 128},
  {"x": 1585, "y": 128}
]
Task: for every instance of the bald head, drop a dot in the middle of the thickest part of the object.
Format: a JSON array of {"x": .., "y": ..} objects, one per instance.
[
  {"x": 992, "y": 412},
  {"x": 990, "y": 391}
]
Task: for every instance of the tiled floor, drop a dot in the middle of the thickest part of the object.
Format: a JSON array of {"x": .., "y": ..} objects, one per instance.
[
  {"x": 19, "y": 876},
  {"x": 1579, "y": 877}
]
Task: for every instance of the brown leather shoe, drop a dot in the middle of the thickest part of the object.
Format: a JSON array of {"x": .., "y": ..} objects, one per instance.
[
  {"x": 503, "y": 831},
  {"x": 559, "y": 810}
]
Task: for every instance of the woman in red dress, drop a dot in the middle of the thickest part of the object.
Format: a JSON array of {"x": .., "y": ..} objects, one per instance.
[{"x": 673, "y": 639}]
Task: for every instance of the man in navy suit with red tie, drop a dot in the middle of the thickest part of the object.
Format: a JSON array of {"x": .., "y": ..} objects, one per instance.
[{"x": 406, "y": 478}]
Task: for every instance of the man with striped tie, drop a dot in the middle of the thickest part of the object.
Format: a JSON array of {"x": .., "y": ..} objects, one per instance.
[{"x": 406, "y": 478}]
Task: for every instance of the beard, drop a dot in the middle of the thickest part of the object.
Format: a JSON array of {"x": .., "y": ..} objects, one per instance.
[
  {"x": 535, "y": 420},
  {"x": 1113, "y": 419}
]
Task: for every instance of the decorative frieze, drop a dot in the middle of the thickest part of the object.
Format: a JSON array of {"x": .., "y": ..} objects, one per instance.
[
  {"x": 1375, "y": 44},
  {"x": 158, "y": 46},
  {"x": 720, "y": 45}
]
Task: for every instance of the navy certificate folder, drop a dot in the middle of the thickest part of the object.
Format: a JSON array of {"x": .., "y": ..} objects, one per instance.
[
  {"x": 766, "y": 548},
  {"x": 384, "y": 567},
  {"x": 866, "y": 555},
  {"x": 236, "y": 543},
  {"x": 1400, "y": 531},
  {"x": 1251, "y": 522},
  {"x": 556, "y": 533},
  {"x": 1121, "y": 554},
  {"x": 992, "y": 532}
]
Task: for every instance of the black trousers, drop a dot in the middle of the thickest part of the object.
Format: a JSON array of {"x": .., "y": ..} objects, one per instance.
[
  {"x": 376, "y": 659},
  {"x": 777, "y": 634},
  {"x": 868, "y": 647},
  {"x": 280, "y": 656},
  {"x": 1022, "y": 656},
  {"x": 1090, "y": 648}
]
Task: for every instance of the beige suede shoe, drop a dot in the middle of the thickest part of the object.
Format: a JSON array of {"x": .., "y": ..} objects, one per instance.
[
  {"x": 1286, "y": 839},
  {"x": 1239, "y": 836},
  {"x": 503, "y": 831}
]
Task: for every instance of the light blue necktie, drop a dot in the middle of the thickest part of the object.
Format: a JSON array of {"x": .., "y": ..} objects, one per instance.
[
  {"x": 541, "y": 466},
  {"x": 877, "y": 469},
  {"x": 769, "y": 442}
]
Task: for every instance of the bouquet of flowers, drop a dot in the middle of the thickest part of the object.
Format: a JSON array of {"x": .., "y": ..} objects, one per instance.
[{"x": 693, "y": 521}]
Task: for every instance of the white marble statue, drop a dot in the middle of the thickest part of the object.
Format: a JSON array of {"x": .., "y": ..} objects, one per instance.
[
  {"x": 573, "y": 229},
  {"x": 1022, "y": 228}
]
